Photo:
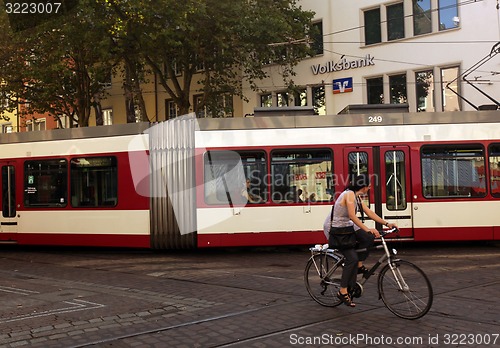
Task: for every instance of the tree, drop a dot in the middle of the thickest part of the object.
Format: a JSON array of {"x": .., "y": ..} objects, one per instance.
[
  {"x": 58, "y": 67},
  {"x": 224, "y": 41}
]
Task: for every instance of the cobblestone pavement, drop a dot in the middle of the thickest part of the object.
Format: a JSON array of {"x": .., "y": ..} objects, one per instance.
[{"x": 233, "y": 298}]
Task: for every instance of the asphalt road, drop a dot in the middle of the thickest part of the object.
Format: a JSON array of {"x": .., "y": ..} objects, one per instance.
[{"x": 247, "y": 297}]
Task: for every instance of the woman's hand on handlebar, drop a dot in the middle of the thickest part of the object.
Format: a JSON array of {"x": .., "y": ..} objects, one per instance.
[{"x": 374, "y": 231}]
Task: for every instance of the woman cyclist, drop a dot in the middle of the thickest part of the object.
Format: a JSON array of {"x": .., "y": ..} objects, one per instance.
[{"x": 344, "y": 216}]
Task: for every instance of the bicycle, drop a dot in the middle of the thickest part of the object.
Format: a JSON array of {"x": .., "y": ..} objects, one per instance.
[{"x": 403, "y": 287}]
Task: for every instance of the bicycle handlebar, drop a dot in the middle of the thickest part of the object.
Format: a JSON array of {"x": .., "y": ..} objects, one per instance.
[
  {"x": 320, "y": 247},
  {"x": 389, "y": 231}
]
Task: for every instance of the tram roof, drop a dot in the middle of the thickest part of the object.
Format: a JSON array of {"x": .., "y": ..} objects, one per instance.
[
  {"x": 350, "y": 120},
  {"x": 74, "y": 133},
  {"x": 375, "y": 119}
]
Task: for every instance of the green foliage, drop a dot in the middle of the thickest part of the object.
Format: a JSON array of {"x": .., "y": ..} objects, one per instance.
[{"x": 224, "y": 42}]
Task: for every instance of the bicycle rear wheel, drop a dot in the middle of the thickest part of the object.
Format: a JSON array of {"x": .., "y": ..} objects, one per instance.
[
  {"x": 405, "y": 290},
  {"x": 322, "y": 279}
]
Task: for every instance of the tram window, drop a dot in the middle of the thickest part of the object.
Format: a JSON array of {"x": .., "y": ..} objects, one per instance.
[
  {"x": 395, "y": 179},
  {"x": 94, "y": 182},
  {"x": 453, "y": 171},
  {"x": 235, "y": 177},
  {"x": 45, "y": 183},
  {"x": 301, "y": 176},
  {"x": 358, "y": 164},
  {"x": 494, "y": 153},
  {"x": 8, "y": 192}
]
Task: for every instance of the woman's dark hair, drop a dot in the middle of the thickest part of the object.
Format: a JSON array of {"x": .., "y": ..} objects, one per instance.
[{"x": 358, "y": 182}]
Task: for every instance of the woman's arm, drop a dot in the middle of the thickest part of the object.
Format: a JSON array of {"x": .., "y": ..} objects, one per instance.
[{"x": 372, "y": 215}]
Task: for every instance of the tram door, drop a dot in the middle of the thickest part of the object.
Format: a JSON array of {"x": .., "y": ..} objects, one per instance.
[
  {"x": 8, "y": 218},
  {"x": 389, "y": 170}
]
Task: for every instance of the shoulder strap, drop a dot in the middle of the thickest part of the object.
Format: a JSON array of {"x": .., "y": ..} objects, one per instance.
[
  {"x": 331, "y": 214},
  {"x": 360, "y": 208}
]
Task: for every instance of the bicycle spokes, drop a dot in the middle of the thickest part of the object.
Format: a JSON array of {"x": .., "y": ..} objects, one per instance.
[
  {"x": 405, "y": 290},
  {"x": 322, "y": 279}
]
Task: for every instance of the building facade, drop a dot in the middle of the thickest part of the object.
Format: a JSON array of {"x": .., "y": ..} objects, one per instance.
[
  {"x": 428, "y": 55},
  {"x": 414, "y": 52}
]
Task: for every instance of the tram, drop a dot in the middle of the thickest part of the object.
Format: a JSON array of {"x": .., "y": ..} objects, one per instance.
[{"x": 255, "y": 181}]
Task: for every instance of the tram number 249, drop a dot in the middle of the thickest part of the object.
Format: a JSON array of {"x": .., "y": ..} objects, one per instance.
[{"x": 375, "y": 119}]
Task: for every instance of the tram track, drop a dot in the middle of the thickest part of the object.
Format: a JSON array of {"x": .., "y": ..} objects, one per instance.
[{"x": 259, "y": 297}]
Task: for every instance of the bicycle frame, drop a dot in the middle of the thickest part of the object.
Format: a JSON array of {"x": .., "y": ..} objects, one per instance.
[
  {"x": 393, "y": 280},
  {"x": 386, "y": 257}
]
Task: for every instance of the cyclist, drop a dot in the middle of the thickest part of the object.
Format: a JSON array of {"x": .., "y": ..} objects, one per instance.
[{"x": 344, "y": 215}]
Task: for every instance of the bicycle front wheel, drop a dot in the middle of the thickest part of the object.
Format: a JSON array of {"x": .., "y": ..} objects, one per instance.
[
  {"x": 322, "y": 279},
  {"x": 405, "y": 289}
]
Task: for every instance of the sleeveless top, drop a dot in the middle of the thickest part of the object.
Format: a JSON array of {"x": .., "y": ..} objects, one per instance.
[{"x": 341, "y": 215}]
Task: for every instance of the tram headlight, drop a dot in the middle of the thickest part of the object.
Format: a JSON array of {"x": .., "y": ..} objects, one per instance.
[{"x": 394, "y": 252}]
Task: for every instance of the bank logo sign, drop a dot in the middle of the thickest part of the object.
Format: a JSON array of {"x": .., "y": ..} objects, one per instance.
[
  {"x": 342, "y": 85},
  {"x": 343, "y": 64}
]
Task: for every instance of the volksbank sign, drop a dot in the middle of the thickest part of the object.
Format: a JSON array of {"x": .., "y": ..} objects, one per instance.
[{"x": 343, "y": 64}]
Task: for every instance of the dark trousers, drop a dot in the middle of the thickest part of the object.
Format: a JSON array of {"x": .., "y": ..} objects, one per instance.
[{"x": 350, "y": 272}]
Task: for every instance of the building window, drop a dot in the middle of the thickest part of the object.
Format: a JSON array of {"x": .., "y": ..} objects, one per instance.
[
  {"x": 319, "y": 100},
  {"x": 107, "y": 117},
  {"x": 395, "y": 22},
  {"x": 451, "y": 102},
  {"x": 397, "y": 88},
  {"x": 66, "y": 121},
  {"x": 221, "y": 107},
  {"x": 448, "y": 14},
  {"x": 375, "y": 90},
  {"x": 226, "y": 106},
  {"x": 373, "y": 32},
  {"x": 425, "y": 91},
  {"x": 453, "y": 171},
  {"x": 36, "y": 124},
  {"x": 422, "y": 17},
  {"x": 199, "y": 106},
  {"x": 7, "y": 128},
  {"x": 282, "y": 99},
  {"x": 94, "y": 182},
  {"x": 171, "y": 109},
  {"x": 266, "y": 100},
  {"x": 300, "y": 97},
  {"x": 107, "y": 80},
  {"x": 175, "y": 68},
  {"x": 317, "y": 38},
  {"x": 5, "y": 98},
  {"x": 45, "y": 183}
]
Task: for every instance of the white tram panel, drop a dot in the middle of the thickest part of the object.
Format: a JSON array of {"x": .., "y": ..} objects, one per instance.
[
  {"x": 89, "y": 222},
  {"x": 69, "y": 147},
  {"x": 456, "y": 214},
  {"x": 372, "y": 135},
  {"x": 257, "y": 219}
]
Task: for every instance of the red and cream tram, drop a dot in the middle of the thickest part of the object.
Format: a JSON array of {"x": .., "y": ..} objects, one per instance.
[{"x": 249, "y": 181}]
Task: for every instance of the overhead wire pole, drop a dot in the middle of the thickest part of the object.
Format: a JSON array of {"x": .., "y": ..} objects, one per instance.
[{"x": 494, "y": 51}]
